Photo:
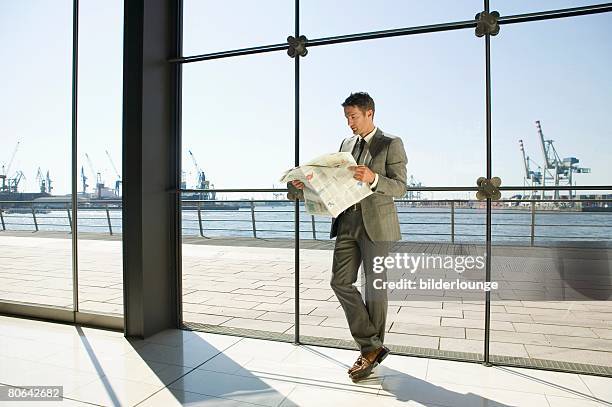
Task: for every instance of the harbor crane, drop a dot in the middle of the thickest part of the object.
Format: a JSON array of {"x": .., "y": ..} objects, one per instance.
[
  {"x": 49, "y": 187},
  {"x": 559, "y": 170},
  {"x": 12, "y": 184},
  {"x": 99, "y": 183},
  {"x": 203, "y": 183},
  {"x": 84, "y": 180},
  {"x": 118, "y": 182},
  {"x": 412, "y": 183},
  {"x": 6, "y": 182},
  {"x": 533, "y": 177},
  {"x": 44, "y": 181}
]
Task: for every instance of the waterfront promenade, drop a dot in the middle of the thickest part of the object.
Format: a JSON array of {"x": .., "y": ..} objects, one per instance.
[{"x": 245, "y": 283}]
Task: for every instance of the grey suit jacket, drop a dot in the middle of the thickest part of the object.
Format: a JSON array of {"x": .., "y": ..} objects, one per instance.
[{"x": 387, "y": 158}]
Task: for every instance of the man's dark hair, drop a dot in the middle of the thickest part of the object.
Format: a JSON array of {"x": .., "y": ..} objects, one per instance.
[{"x": 361, "y": 100}]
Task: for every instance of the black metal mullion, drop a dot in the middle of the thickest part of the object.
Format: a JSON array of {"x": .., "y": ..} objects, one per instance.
[
  {"x": 296, "y": 102},
  {"x": 231, "y": 53},
  {"x": 74, "y": 172},
  {"x": 559, "y": 188},
  {"x": 399, "y": 32},
  {"x": 445, "y": 189},
  {"x": 554, "y": 14},
  {"x": 177, "y": 124},
  {"x": 489, "y": 176}
]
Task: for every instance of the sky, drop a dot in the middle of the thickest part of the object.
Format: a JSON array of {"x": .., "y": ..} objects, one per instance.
[{"x": 238, "y": 113}]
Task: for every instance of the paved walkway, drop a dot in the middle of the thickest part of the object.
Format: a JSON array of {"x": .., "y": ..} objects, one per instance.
[{"x": 231, "y": 283}]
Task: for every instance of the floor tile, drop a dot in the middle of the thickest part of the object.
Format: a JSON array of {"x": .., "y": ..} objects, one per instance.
[
  {"x": 456, "y": 395},
  {"x": 246, "y": 389},
  {"x": 174, "y": 398},
  {"x": 527, "y": 380},
  {"x": 109, "y": 391},
  {"x": 600, "y": 387}
]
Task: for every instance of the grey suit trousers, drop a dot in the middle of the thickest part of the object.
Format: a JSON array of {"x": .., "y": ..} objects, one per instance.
[{"x": 353, "y": 248}]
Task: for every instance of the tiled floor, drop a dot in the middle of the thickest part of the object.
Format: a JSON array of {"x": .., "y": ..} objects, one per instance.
[{"x": 98, "y": 367}]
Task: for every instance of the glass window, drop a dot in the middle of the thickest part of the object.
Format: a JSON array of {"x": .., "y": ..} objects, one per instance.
[
  {"x": 320, "y": 18},
  {"x": 238, "y": 133},
  {"x": 36, "y": 265},
  {"x": 238, "y": 121},
  {"x": 212, "y": 26},
  {"x": 552, "y": 94},
  {"x": 429, "y": 91},
  {"x": 553, "y": 76},
  {"x": 99, "y": 156}
]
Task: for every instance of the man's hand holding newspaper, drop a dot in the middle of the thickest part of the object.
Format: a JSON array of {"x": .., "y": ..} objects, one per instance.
[{"x": 329, "y": 183}]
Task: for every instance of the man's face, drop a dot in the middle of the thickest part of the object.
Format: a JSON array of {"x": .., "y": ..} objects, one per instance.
[{"x": 361, "y": 123}]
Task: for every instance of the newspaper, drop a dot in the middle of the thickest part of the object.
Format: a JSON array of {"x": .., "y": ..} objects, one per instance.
[{"x": 329, "y": 186}]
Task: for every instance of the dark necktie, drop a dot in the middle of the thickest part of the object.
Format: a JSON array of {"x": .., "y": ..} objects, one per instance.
[{"x": 362, "y": 143}]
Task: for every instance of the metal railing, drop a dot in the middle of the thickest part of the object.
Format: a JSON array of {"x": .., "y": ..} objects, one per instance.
[
  {"x": 448, "y": 218},
  {"x": 11, "y": 209}
]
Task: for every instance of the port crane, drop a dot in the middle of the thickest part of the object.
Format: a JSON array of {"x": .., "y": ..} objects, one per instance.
[
  {"x": 413, "y": 183},
  {"x": 13, "y": 183},
  {"x": 203, "y": 183},
  {"x": 533, "y": 177},
  {"x": 7, "y": 183},
  {"x": 99, "y": 183},
  {"x": 49, "y": 187},
  {"x": 44, "y": 181},
  {"x": 118, "y": 182},
  {"x": 559, "y": 170},
  {"x": 84, "y": 180},
  {"x": 41, "y": 181}
]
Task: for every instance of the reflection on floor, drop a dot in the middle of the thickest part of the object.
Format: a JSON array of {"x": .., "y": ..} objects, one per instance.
[{"x": 189, "y": 368}]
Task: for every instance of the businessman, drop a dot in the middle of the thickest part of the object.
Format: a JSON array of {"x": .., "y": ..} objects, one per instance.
[{"x": 365, "y": 230}]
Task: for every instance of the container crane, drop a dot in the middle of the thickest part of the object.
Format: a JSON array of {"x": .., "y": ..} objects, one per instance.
[
  {"x": 44, "y": 182},
  {"x": 41, "y": 181},
  {"x": 13, "y": 183},
  {"x": 534, "y": 177},
  {"x": 7, "y": 169},
  {"x": 413, "y": 183},
  {"x": 559, "y": 169},
  {"x": 49, "y": 187},
  {"x": 118, "y": 182},
  {"x": 99, "y": 183},
  {"x": 84, "y": 180},
  {"x": 202, "y": 182}
]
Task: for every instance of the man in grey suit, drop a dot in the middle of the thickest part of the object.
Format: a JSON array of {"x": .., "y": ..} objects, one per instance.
[{"x": 365, "y": 230}]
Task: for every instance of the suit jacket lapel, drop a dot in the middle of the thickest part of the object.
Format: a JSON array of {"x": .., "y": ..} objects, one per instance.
[{"x": 376, "y": 144}]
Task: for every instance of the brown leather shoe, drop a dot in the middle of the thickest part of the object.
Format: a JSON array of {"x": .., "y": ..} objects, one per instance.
[
  {"x": 383, "y": 352},
  {"x": 377, "y": 355},
  {"x": 356, "y": 365},
  {"x": 367, "y": 362},
  {"x": 363, "y": 371}
]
